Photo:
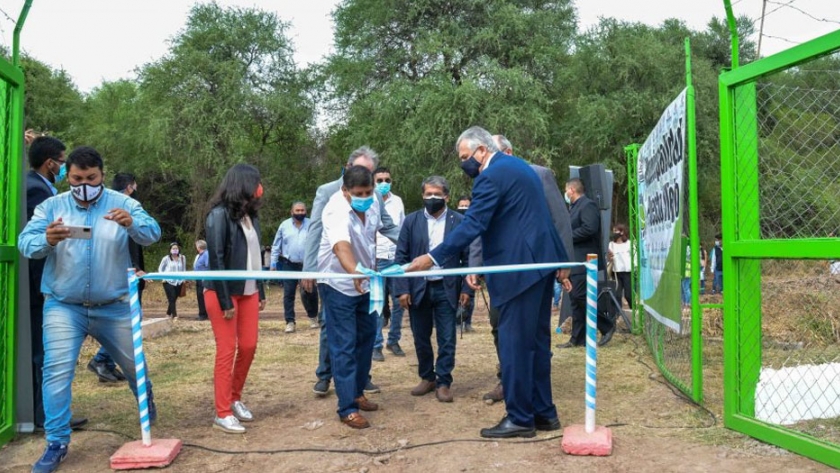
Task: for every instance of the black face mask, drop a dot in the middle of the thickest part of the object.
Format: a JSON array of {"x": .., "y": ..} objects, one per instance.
[
  {"x": 434, "y": 204},
  {"x": 616, "y": 236}
]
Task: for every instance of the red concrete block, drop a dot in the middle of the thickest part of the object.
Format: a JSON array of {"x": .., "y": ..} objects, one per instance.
[
  {"x": 134, "y": 455},
  {"x": 577, "y": 442}
]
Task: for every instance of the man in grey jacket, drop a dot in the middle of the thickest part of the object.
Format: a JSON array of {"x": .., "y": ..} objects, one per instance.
[
  {"x": 368, "y": 158},
  {"x": 562, "y": 223}
]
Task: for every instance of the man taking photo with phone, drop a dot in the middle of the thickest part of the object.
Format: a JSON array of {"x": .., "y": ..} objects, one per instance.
[{"x": 83, "y": 235}]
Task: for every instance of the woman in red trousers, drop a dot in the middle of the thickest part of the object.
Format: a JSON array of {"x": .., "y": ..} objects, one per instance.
[{"x": 233, "y": 243}]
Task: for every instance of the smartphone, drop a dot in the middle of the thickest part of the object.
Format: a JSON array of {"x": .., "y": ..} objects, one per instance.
[{"x": 82, "y": 232}]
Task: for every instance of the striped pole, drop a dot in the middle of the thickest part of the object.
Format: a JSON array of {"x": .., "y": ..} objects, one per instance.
[
  {"x": 139, "y": 359},
  {"x": 591, "y": 342}
]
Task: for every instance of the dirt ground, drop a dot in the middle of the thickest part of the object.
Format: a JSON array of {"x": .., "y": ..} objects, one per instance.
[{"x": 296, "y": 432}]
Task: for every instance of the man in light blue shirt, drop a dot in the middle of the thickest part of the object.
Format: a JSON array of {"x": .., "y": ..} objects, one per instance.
[
  {"x": 85, "y": 285},
  {"x": 287, "y": 254}
]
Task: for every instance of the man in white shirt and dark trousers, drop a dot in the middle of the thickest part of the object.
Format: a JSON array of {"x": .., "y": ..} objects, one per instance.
[
  {"x": 287, "y": 253},
  {"x": 385, "y": 254},
  {"x": 348, "y": 244},
  {"x": 432, "y": 301}
]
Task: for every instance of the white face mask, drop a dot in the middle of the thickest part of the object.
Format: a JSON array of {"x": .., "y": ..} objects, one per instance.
[
  {"x": 86, "y": 192},
  {"x": 567, "y": 199},
  {"x": 173, "y": 251}
]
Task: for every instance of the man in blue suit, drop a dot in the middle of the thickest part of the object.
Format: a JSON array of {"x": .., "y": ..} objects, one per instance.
[
  {"x": 432, "y": 301},
  {"x": 510, "y": 214}
]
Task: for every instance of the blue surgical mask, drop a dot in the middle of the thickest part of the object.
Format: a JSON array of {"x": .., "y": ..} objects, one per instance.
[
  {"x": 383, "y": 188},
  {"x": 360, "y": 204},
  {"x": 567, "y": 199},
  {"x": 62, "y": 173}
]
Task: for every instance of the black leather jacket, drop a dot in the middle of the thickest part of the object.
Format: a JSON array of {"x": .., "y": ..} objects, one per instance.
[{"x": 227, "y": 248}]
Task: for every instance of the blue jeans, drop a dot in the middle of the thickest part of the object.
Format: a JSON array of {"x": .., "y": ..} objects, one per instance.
[
  {"x": 395, "y": 330},
  {"x": 65, "y": 328},
  {"x": 686, "y": 291},
  {"x": 558, "y": 289},
  {"x": 434, "y": 312},
  {"x": 351, "y": 329},
  {"x": 324, "y": 370},
  {"x": 717, "y": 283}
]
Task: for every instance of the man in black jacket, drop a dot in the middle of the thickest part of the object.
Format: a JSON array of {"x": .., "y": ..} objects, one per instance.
[
  {"x": 432, "y": 301},
  {"x": 102, "y": 364},
  {"x": 586, "y": 235}
]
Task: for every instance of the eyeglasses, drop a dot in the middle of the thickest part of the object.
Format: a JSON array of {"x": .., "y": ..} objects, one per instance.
[
  {"x": 383, "y": 179},
  {"x": 60, "y": 161}
]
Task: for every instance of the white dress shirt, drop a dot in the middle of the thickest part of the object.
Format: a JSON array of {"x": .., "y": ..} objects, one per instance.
[
  {"x": 437, "y": 231},
  {"x": 340, "y": 223},
  {"x": 385, "y": 248}
]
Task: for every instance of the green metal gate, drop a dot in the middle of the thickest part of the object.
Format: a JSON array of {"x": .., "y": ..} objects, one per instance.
[
  {"x": 11, "y": 162},
  {"x": 780, "y": 178}
]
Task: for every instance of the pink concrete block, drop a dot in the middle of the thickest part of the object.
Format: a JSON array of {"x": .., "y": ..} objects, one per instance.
[
  {"x": 134, "y": 455},
  {"x": 577, "y": 442}
]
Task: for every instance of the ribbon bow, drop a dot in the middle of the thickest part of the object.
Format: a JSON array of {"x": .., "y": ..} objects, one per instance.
[{"x": 377, "y": 284}]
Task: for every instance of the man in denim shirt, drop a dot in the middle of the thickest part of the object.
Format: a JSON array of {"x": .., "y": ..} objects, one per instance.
[{"x": 84, "y": 284}]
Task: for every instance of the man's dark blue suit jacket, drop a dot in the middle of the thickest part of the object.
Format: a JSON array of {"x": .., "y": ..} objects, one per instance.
[
  {"x": 510, "y": 214},
  {"x": 414, "y": 242}
]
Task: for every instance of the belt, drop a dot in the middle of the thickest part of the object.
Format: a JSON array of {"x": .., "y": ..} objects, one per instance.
[
  {"x": 434, "y": 281},
  {"x": 100, "y": 304}
]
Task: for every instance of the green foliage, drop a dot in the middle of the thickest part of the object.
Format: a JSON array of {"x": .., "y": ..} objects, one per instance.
[
  {"x": 53, "y": 103},
  {"x": 406, "y": 77}
]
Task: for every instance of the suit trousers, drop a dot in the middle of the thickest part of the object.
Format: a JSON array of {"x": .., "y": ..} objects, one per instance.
[
  {"x": 434, "y": 312},
  {"x": 578, "y": 297},
  {"x": 524, "y": 345}
]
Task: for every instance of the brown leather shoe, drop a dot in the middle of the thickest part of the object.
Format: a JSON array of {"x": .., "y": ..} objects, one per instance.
[
  {"x": 443, "y": 394},
  {"x": 425, "y": 387},
  {"x": 496, "y": 395},
  {"x": 366, "y": 405},
  {"x": 356, "y": 421}
]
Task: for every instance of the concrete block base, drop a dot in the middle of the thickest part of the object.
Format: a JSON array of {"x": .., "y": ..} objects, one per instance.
[
  {"x": 153, "y": 328},
  {"x": 577, "y": 442},
  {"x": 134, "y": 455}
]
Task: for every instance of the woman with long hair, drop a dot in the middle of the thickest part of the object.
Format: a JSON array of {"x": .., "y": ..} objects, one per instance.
[
  {"x": 173, "y": 262},
  {"x": 233, "y": 243}
]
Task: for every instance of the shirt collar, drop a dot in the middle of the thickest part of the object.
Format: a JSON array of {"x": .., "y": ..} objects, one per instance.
[
  {"x": 50, "y": 184},
  {"x": 430, "y": 217}
]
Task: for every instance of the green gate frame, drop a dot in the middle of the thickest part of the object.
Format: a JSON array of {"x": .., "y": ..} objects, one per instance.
[
  {"x": 745, "y": 248},
  {"x": 695, "y": 390},
  {"x": 11, "y": 172}
]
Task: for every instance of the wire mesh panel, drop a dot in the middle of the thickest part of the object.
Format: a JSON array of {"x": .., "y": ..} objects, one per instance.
[
  {"x": 781, "y": 164},
  {"x": 8, "y": 269}
]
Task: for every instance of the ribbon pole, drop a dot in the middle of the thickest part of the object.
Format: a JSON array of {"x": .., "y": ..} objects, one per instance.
[
  {"x": 591, "y": 342},
  {"x": 139, "y": 359}
]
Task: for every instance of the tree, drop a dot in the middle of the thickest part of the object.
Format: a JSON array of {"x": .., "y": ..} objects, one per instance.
[
  {"x": 408, "y": 76},
  {"x": 52, "y": 103},
  {"x": 228, "y": 91}
]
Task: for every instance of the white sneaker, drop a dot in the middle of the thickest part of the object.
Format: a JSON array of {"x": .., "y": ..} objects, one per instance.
[
  {"x": 290, "y": 327},
  {"x": 313, "y": 324},
  {"x": 229, "y": 424},
  {"x": 241, "y": 412}
]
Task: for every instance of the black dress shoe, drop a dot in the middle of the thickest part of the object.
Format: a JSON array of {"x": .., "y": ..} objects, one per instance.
[
  {"x": 507, "y": 429},
  {"x": 102, "y": 372},
  {"x": 546, "y": 424},
  {"x": 117, "y": 374},
  {"x": 605, "y": 338},
  {"x": 568, "y": 345}
]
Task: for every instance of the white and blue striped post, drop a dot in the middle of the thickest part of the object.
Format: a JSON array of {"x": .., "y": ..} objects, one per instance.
[
  {"x": 139, "y": 359},
  {"x": 591, "y": 342}
]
